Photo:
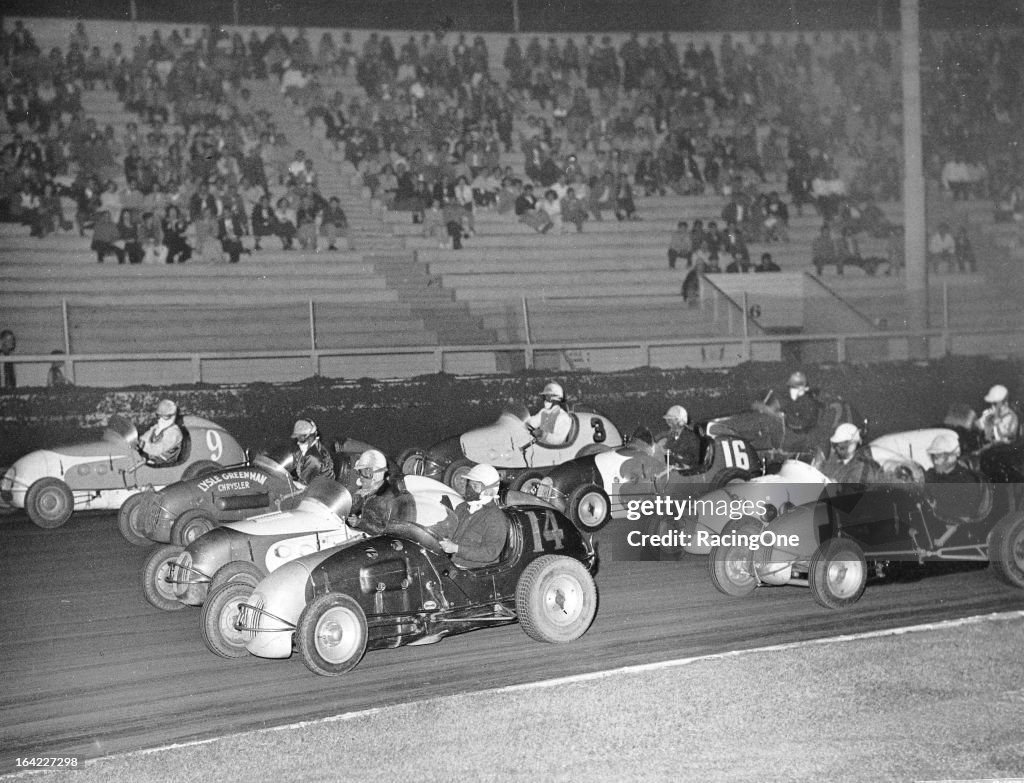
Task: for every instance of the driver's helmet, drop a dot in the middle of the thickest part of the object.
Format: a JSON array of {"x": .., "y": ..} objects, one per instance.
[
  {"x": 997, "y": 394},
  {"x": 676, "y": 416},
  {"x": 553, "y": 392},
  {"x": 304, "y": 431},
  {"x": 944, "y": 451},
  {"x": 797, "y": 380},
  {"x": 370, "y": 469},
  {"x": 845, "y": 440},
  {"x": 167, "y": 409},
  {"x": 482, "y": 482}
]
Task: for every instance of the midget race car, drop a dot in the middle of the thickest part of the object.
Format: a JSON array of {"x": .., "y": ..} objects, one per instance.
[
  {"x": 763, "y": 498},
  {"x": 400, "y": 588},
  {"x": 594, "y": 489},
  {"x": 508, "y": 446},
  {"x": 52, "y": 483},
  {"x": 764, "y": 427},
  {"x": 853, "y": 533},
  {"x": 180, "y": 513}
]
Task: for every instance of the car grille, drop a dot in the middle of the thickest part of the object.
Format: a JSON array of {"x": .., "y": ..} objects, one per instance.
[{"x": 249, "y": 615}]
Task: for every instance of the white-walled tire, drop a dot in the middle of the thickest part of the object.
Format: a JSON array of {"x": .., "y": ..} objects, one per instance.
[
  {"x": 219, "y": 615},
  {"x": 331, "y": 635},
  {"x": 556, "y": 599}
]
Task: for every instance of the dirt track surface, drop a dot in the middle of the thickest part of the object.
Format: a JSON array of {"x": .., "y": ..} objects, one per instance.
[{"x": 89, "y": 668}]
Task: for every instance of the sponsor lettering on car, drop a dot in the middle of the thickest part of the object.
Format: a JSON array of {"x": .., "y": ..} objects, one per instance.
[{"x": 237, "y": 479}]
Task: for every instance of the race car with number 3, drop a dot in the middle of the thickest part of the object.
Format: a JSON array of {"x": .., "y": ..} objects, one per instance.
[
  {"x": 401, "y": 588},
  {"x": 594, "y": 489},
  {"x": 52, "y": 483}
]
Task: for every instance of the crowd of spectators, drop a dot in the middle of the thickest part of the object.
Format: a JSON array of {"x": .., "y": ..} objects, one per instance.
[
  {"x": 188, "y": 179},
  {"x": 434, "y": 132}
]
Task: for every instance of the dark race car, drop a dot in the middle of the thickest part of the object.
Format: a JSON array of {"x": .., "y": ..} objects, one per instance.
[
  {"x": 854, "y": 533},
  {"x": 594, "y": 489},
  {"x": 508, "y": 446},
  {"x": 401, "y": 588},
  {"x": 181, "y": 512},
  {"x": 765, "y": 428}
]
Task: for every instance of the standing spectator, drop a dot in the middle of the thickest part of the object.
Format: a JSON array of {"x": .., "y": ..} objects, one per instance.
[
  {"x": 105, "y": 237},
  {"x": 305, "y": 217},
  {"x": 823, "y": 250},
  {"x": 128, "y": 234},
  {"x": 206, "y": 234},
  {"x": 680, "y": 246},
  {"x": 151, "y": 240},
  {"x": 7, "y": 346},
  {"x": 625, "y": 207},
  {"x": 941, "y": 248},
  {"x": 434, "y": 225},
  {"x": 55, "y": 375},
  {"x": 230, "y": 230},
  {"x": 284, "y": 221},
  {"x": 574, "y": 210},
  {"x": 334, "y": 225},
  {"x": 964, "y": 251}
]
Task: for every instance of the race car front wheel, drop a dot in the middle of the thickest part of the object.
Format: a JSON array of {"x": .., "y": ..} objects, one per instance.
[
  {"x": 129, "y": 523},
  {"x": 189, "y": 526},
  {"x": 156, "y": 579},
  {"x": 331, "y": 634},
  {"x": 1006, "y": 550},
  {"x": 556, "y": 599},
  {"x": 838, "y": 573},
  {"x": 589, "y": 508},
  {"x": 219, "y": 620},
  {"x": 242, "y": 571},
  {"x": 49, "y": 502},
  {"x": 731, "y": 568}
]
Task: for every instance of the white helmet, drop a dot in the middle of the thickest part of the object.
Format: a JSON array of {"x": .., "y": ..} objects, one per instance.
[
  {"x": 304, "y": 429},
  {"x": 488, "y": 479},
  {"x": 677, "y": 416},
  {"x": 553, "y": 391},
  {"x": 945, "y": 443},
  {"x": 167, "y": 408},
  {"x": 997, "y": 393},
  {"x": 371, "y": 460},
  {"x": 846, "y": 433}
]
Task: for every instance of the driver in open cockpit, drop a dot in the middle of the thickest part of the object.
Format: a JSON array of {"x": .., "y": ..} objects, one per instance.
[
  {"x": 475, "y": 531},
  {"x": 552, "y": 424},
  {"x": 310, "y": 457},
  {"x": 161, "y": 443},
  {"x": 848, "y": 461},
  {"x": 956, "y": 490},
  {"x": 681, "y": 443},
  {"x": 377, "y": 500}
]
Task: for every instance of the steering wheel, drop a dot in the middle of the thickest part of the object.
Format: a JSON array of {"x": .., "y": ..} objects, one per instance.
[{"x": 418, "y": 534}]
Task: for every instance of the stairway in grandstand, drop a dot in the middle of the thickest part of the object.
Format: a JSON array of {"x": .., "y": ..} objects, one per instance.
[{"x": 448, "y": 320}]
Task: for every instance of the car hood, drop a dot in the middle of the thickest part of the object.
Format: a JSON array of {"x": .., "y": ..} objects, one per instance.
[
  {"x": 57, "y": 462},
  {"x": 498, "y": 443},
  {"x": 309, "y": 517}
]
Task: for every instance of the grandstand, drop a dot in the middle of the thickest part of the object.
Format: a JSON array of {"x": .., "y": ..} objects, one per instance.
[{"x": 397, "y": 304}]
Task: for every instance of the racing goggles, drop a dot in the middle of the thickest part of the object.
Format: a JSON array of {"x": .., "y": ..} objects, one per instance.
[{"x": 367, "y": 473}]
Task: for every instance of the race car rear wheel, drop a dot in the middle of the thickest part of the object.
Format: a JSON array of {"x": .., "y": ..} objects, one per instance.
[
  {"x": 731, "y": 568},
  {"x": 412, "y": 462},
  {"x": 589, "y": 508},
  {"x": 668, "y": 530},
  {"x": 331, "y": 634},
  {"x": 49, "y": 502},
  {"x": 527, "y": 481},
  {"x": 156, "y": 587},
  {"x": 455, "y": 475},
  {"x": 129, "y": 523},
  {"x": 219, "y": 615},
  {"x": 1006, "y": 550},
  {"x": 241, "y": 571},
  {"x": 189, "y": 526},
  {"x": 838, "y": 573},
  {"x": 556, "y": 599},
  {"x": 200, "y": 468},
  {"x": 725, "y": 475}
]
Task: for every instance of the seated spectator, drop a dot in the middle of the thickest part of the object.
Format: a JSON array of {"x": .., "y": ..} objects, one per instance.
[
  {"x": 434, "y": 224},
  {"x": 284, "y": 222},
  {"x": 207, "y": 245},
  {"x": 230, "y": 230},
  {"x": 767, "y": 264},
  {"x": 847, "y": 249},
  {"x": 106, "y": 238},
  {"x": 334, "y": 225},
  {"x": 264, "y": 221},
  {"x": 602, "y": 194},
  {"x": 941, "y": 248},
  {"x": 151, "y": 240},
  {"x": 455, "y": 223},
  {"x": 776, "y": 219},
  {"x": 529, "y": 213},
  {"x": 128, "y": 236},
  {"x": 553, "y": 207},
  {"x": 175, "y": 228}
]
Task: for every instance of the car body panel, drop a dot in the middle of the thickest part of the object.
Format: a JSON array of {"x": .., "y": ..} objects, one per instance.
[{"x": 102, "y": 474}]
